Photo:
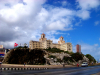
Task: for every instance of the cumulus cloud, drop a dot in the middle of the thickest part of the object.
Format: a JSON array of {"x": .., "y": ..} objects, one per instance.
[
  {"x": 85, "y": 6},
  {"x": 88, "y": 4},
  {"x": 18, "y": 10},
  {"x": 17, "y": 26},
  {"x": 86, "y": 48},
  {"x": 27, "y": 19},
  {"x": 61, "y": 20},
  {"x": 83, "y": 14},
  {"x": 16, "y": 20}
]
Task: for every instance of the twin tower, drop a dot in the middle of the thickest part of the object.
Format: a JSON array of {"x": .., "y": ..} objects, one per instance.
[{"x": 43, "y": 43}]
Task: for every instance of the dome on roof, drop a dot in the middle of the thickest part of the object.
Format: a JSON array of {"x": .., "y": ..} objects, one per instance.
[
  {"x": 61, "y": 37},
  {"x": 43, "y": 34}
]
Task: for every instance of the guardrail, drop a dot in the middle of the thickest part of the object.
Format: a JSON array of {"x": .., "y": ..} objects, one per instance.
[{"x": 6, "y": 69}]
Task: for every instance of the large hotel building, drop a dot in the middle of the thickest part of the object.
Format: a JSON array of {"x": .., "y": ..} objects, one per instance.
[{"x": 43, "y": 43}]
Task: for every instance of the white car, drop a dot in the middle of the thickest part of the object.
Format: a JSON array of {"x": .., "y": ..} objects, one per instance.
[{"x": 84, "y": 64}]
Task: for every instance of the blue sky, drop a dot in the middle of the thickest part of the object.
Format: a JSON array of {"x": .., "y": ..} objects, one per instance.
[{"x": 78, "y": 21}]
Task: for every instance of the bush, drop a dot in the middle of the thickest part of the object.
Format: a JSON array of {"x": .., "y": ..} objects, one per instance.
[
  {"x": 77, "y": 56},
  {"x": 54, "y": 50},
  {"x": 66, "y": 52}
]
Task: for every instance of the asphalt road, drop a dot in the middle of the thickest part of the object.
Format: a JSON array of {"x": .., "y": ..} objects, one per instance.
[{"x": 62, "y": 71}]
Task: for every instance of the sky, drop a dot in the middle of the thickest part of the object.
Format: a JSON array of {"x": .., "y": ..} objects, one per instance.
[{"x": 78, "y": 21}]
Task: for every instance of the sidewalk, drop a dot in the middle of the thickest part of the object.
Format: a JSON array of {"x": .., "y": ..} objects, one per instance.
[
  {"x": 96, "y": 74},
  {"x": 34, "y": 66}
]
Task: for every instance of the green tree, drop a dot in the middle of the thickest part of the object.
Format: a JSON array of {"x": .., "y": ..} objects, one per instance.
[
  {"x": 77, "y": 56},
  {"x": 68, "y": 59},
  {"x": 22, "y": 55},
  {"x": 91, "y": 58}
]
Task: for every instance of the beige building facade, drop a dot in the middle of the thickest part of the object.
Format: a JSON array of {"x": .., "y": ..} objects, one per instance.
[{"x": 43, "y": 43}]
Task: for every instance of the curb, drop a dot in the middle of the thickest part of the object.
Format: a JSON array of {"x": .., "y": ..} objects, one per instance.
[{"x": 9, "y": 69}]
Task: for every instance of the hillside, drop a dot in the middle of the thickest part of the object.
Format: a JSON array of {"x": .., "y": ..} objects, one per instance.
[
  {"x": 49, "y": 56},
  {"x": 23, "y": 55}
]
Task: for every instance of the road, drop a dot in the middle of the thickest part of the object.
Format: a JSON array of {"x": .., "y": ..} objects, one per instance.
[{"x": 62, "y": 71}]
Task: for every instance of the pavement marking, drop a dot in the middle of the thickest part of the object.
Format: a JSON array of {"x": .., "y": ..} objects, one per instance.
[{"x": 72, "y": 71}]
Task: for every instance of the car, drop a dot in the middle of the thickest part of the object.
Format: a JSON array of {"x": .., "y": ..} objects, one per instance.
[
  {"x": 0, "y": 62},
  {"x": 84, "y": 64}
]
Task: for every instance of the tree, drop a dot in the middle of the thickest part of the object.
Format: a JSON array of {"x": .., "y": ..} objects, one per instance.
[
  {"x": 67, "y": 59},
  {"x": 77, "y": 56},
  {"x": 91, "y": 58},
  {"x": 22, "y": 55}
]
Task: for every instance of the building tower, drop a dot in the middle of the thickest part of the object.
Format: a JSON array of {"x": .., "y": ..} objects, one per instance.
[
  {"x": 61, "y": 40},
  {"x": 42, "y": 37},
  {"x": 78, "y": 48}
]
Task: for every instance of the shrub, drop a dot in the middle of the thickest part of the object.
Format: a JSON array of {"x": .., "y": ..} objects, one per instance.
[{"x": 54, "y": 50}]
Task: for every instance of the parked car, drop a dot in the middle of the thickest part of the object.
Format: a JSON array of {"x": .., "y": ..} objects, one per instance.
[
  {"x": 0, "y": 62},
  {"x": 84, "y": 64}
]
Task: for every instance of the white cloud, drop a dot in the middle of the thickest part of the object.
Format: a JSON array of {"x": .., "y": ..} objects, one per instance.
[
  {"x": 15, "y": 12},
  {"x": 96, "y": 23},
  {"x": 52, "y": 20},
  {"x": 83, "y": 14},
  {"x": 17, "y": 21},
  {"x": 96, "y": 45},
  {"x": 87, "y": 48},
  {"x": 88, "y": 4},
  {"x": 8, "y": 44},
  {"x": 85, "y": 7},
  {"x": 28, "y": 19},
  {"x": 58, "y": 25}
]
